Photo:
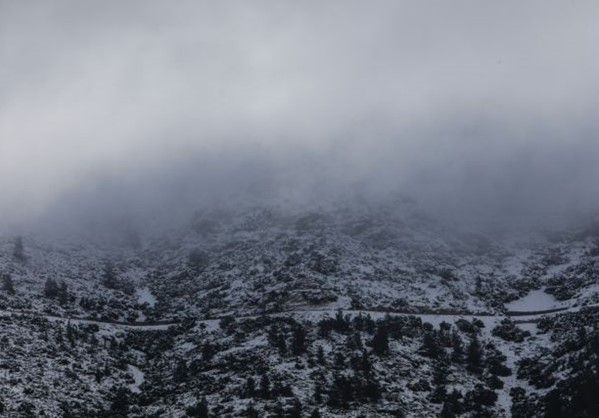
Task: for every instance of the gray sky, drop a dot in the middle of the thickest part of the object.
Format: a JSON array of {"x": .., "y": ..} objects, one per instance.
[{"x": 468, "y": 105}]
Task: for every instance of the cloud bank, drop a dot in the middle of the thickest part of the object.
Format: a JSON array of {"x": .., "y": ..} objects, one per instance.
[{"x": 471, "y": 107}]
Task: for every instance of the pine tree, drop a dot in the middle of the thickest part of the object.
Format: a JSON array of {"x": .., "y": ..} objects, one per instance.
[
  {"x": 281, "y": 344},
  {"x": 315, "y": 414},
  {"x": 430, "y": 345},
  {"x": 474, "y": 356},
  {"x": 341, "y": 393},
  {"x": 120, "y": 404},
  {"x": 51, "y": 288},
  {"x": 251, "y": 412},
  {"x": 457, "y": 353},
  {"x": 380, "y": 341},
  {"x": 278, "y": 411},
  {"x": 298, "y": 341},
  {"x": 63, "y": 293},
  {"x": 320, "y": 357},
  {"x": 200, "y": 410},
  {"x": 318, "y": 393},
  {"x": 341, "y": 323},
  {"x": 354, "y": 342},
  {"x": 7, "y": 284},
  {"x": 19, "y": 249},
  {"x": 366, "y": 365},
  {"x": 66, "y": 410},
  {"x": 70, "y": 334},
  {"x": 250, "y": 387},
  {"x": 296, "y": 409},
  {"x": 447, "y": 410},
  {"x": 181, "y": 371},
  {"x": 372, "y": 390},
  {"x": 208, "y": 351},
  {"x": 109, "y": 276},
  {"x": 440, "y": 373},
  {"x": 339, "y": 360},
  {"x": 264, "y": 386}
]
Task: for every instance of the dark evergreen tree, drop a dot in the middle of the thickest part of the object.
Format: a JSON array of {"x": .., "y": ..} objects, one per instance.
[
  {"x": 354, "y": 342},
  {"x": 341, "y": 393},
  {"x": 197, "y": 261},
  {"x": 320, "y": 357},
  {"x": 277, "y": 339},
  {"x": 447, "y": 410},
  {"x": 120, "y": 403},
  {"x": 71, "y": 335},
  {"x": 7, "y": 284},
  {"x": 109, "y": 276},
  {"x": 250, "y": 412},
  {"x": 315, "y": 414},
  {"x": 380, "y": 341},
  {"x": 298, "y": 340},
  {"x": 341, "y": 323},
  {"x": 366, "y": 363},
  {"x": 181, "y": 371},
  {"x": 474, "y": 355},
  {"x": 439, "y": 394},
  {"x": 250, "y": 388},
  {"x": 19, "y": 250},
  {"x": 457, "y": 352},
  {"x": 430, "y": 345},
  {"x": 278, "y": 411},
  {"x": 339, "y": 360},
  {"x": 281, "y": 344},
  {"x": 265, "y": 386},
  {"x": 318, "y": 393},
  {"x": 553, "y": 405},
  {"x": 296, "y": 409},
  {"x": 51, "y": 289},
  {"x": 440, "y": 373},
  {"x": 208, "y": 351},
  {"x": 480, "y": 397},
  {"x": 371, "y": 390},
  {"x": 199, "y": 410},
  {"x": 63, "y": 293},
  {"x": 495, "y": 361},
  {"x": 452, "y": 406}
]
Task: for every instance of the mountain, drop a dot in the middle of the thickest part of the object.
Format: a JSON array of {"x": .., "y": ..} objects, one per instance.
[{"x": 342, "y": 309}]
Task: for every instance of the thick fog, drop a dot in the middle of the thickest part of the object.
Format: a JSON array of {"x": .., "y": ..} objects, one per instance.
[{"x": 137, "y": 109}]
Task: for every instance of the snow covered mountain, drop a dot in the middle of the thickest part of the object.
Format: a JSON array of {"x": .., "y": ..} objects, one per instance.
[{"x": 336, "y": 310}]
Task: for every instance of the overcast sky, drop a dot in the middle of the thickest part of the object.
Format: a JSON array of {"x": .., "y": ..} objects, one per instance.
[{"x": 465, "y": 104}]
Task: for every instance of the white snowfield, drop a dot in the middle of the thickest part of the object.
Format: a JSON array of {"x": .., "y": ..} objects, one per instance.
[
  {"x": 144, "y": 295},
  {"x": 138, "y": 378},
  {"x": 535, "y": 300}
]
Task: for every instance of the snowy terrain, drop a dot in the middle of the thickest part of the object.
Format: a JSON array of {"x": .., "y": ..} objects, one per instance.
[{"x": 334, "y": 312}]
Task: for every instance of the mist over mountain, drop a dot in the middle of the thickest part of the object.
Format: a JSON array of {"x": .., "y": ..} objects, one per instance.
[
  {"x": 480, "y": 111},
  {"x": 299, "y": 209}
]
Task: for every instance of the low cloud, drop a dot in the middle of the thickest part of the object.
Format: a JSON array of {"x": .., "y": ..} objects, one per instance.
[{"x": 474, "y": 109}]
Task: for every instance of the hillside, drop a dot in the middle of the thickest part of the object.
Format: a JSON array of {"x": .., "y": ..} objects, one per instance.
[{"x": 336, "y": 310}]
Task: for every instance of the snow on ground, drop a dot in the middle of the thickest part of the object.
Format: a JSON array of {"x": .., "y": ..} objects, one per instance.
[
  {"x": 342, "y": 302},
  {"x": 144, "y": 295},
  {"x": 138, "y": 377},
  {"x": 574, "y": 257},
  {"x": 514, "y": 265},
  {"x": 209, "y": 325},
  {"x": 535, "y": 300}
]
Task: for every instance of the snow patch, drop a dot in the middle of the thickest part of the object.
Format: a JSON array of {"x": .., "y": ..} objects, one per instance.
[
  {"x": 144, "y": 295},
  {"x": 535, "y": 300},
  {"x": 138, "y": 378}
]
